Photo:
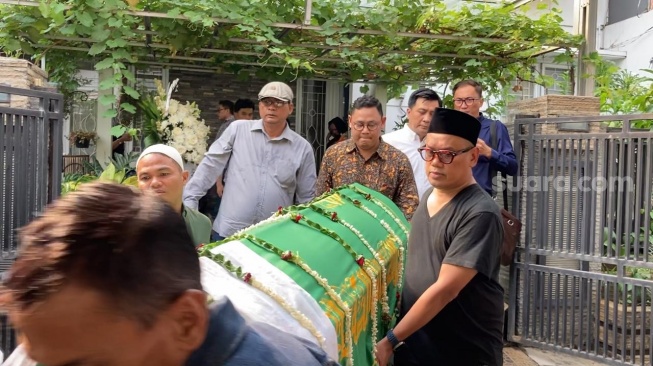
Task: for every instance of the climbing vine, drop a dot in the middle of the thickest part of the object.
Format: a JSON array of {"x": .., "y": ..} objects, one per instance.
[{"x": 397, "y": 42}]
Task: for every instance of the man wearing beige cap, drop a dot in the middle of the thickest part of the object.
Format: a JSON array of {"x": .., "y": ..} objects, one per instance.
[
  {"x": 270, "y": 165},
  {"x": 160, "y": 169}
]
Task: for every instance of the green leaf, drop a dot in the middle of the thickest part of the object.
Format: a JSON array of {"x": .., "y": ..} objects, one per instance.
[
  {"x": 131, "y": 181},
  {"x": 108, "y": 174},
  {"x": 100, "y": 34},
  {"x": 114, "y": 22},
  {"x": 107, "y": 99},
  {"x": 118, "y": 130},
  {"x": 44, "y": 8},
  {"x": 129, "y": 76},
  {"x": 95, "y": 4},
  {"x": 331, "y": 42},
  {"x": 128, "y": 107},
  {"x": 111, "y": 113},
  {"x": 107, "y": 84},
  {"x": 104, "y": 64},
  {"x": 131, "y": 92},
  {"x": 97, "y": 48},
  {"x": 85, "y": 18},
  {"x": 119, "y": 176},
  {"x": 120, "y": 54},
  {"x": 68, "y": 29},
  {"x": 116, "y": 43},
  {"x": 150, "y": 140}
]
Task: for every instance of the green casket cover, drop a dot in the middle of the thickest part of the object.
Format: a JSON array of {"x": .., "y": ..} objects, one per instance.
[{"x": 346, "y": 249}]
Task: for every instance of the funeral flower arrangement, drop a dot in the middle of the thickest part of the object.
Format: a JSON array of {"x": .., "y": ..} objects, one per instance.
[{"x": 173, "y": 123}]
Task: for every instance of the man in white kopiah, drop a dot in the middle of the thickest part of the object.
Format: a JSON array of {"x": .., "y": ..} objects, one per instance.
[
  {"x": 160, "y": 169},
  {"x": 269, "y": 165}
]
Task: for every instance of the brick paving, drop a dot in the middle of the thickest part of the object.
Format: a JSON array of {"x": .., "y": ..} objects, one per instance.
[{"x": 515, "y": 356}]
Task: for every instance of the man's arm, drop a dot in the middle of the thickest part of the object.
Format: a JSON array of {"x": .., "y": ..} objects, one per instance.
[
  {"x": 306, "y": 176},
  {"x": 406, "y": 196},
  {"x": 504, "y": 157},
  {"x": 211, "y": 166},
  {"x": 117, "y": 142},
  {"x": 324, "y": 179}
]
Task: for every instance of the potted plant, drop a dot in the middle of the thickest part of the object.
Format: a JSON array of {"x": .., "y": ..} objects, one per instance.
[
  {"x": 625, "y": 300},
  {"x": 82, "y": 139}
]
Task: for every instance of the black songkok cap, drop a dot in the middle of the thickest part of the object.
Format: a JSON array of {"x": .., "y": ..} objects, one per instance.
[{"x": 453, "y": 122}]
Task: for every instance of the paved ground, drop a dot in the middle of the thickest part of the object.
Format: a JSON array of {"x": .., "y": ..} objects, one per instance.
[
  {"x": 513, "y": 356},
  {"x": 517, "y": 356}
]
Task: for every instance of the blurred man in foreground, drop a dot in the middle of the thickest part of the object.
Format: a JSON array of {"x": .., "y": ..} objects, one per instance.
[{"x": 109, "y": 276}]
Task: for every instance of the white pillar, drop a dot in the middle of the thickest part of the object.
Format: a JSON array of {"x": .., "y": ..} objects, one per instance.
[
  {"x": 103, "y": 144},
  {"x": 585, "y": 23},
  {"x": 333, "y": 106},
  {"x": 381, "y": 93}
]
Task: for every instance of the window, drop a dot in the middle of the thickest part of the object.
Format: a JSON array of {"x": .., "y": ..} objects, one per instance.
[
  {"x": 560, "y": 76},
  {"x": 619, "y": 10},
  {"x": 524, "y": 91},
  {"x": 4, "y": 97}
]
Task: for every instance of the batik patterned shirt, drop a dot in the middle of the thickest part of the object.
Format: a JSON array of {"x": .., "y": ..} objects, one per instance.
[{"x": 388, "y": 171}]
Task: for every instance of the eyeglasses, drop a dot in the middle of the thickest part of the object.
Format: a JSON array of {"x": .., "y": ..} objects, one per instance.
[
  {"x": 270, "y": 101},
  {"x": 445, "y": 156},
  {"x": 358, "y": 126},
  {"x": 465, "y": 101}
]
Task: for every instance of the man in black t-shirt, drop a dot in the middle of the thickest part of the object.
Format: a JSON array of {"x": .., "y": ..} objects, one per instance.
[{"x": 452, "y": 303}]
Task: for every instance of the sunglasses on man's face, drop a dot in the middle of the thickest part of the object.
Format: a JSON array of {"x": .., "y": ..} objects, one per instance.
[{"x": 445, "y": 156}]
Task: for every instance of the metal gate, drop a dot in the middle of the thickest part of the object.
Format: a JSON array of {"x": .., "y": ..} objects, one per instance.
[
  {"x": 30, "y": 168},
  {"x": 581, "y": 280}
]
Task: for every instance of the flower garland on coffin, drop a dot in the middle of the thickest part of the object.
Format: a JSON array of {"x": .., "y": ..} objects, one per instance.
[{"x": 170, "y": 122}]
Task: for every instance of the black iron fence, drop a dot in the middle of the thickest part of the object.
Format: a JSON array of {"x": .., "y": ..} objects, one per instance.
[
  {"x": 582, "y": 278},
  {"x": 30, "y": 168}
]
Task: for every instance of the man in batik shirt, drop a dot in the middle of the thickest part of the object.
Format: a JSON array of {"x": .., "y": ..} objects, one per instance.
[{"x": 367, "y": 160}]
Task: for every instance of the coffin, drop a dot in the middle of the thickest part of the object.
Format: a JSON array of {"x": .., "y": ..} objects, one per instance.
[{"x": 329, "y": 271}]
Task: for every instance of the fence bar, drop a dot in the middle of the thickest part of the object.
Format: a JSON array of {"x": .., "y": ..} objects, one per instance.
[
  {"x": 31, "y": 136},
  {"x": 597, "y": 310}
]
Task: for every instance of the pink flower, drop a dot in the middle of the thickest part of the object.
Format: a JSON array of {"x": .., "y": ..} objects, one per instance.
[
  {"x": 247, "y": 277},
  {"x": 287, "y": 255},
  {"x": 360, "y": 260},
  {"x": 334, "y": 216},
  {"x": 297, "y": 218}
]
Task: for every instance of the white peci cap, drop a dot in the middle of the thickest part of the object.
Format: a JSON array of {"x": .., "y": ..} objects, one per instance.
[{"x": 166, "y": 150}]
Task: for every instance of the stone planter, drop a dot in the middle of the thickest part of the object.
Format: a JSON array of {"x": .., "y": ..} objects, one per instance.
[{"x": 627, "y": 343}]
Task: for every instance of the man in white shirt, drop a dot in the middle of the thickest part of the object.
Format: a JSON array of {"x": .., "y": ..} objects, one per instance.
[
  {"x": 269, "y": 165},
  {"x": 421, "y": 106}
]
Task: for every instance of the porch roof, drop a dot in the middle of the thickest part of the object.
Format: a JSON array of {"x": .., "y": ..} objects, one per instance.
[{"x": 370, "y": 52}]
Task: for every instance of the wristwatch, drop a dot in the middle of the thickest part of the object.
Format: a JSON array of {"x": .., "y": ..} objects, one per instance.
[{"x": 394, "y": 342}]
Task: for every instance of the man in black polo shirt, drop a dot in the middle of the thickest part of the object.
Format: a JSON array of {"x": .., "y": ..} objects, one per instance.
[{"x": 452, "y": 303}]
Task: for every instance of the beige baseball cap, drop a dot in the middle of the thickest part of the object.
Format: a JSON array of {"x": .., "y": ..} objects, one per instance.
[{"x": 278, "y": 90}]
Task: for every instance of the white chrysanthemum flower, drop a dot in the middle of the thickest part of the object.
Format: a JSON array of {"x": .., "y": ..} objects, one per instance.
[{"x": 174, "y": 106}]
